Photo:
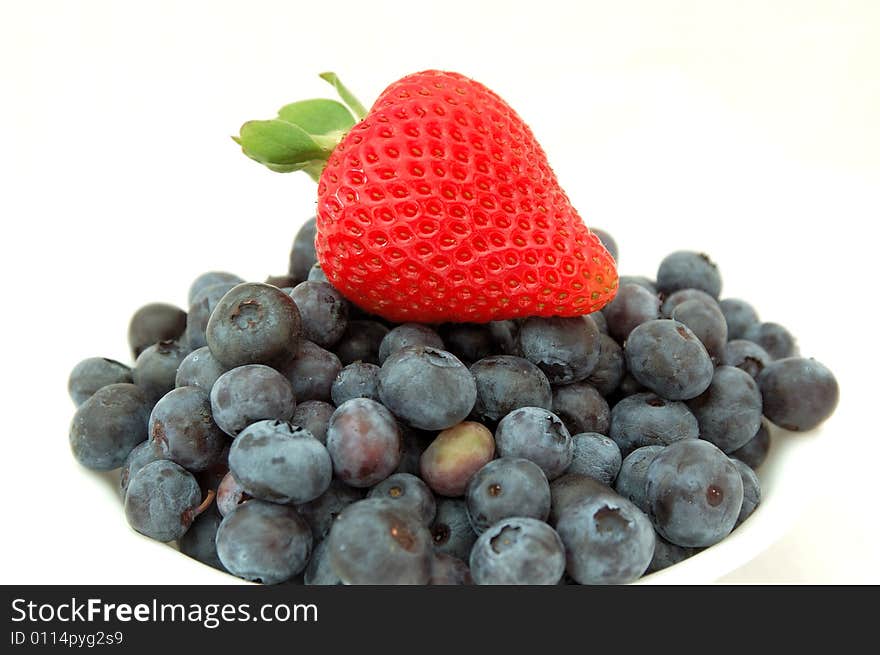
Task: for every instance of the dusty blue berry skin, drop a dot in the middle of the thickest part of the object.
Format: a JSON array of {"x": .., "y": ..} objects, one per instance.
[
  {"x": 667, "y": 554},
  {"x": 364, "y": 442},
  {"x": 566, "y": 349},
  {"x": 773, "y": 338},
  {"x": 633, "y": 474},
  {"x": 582, "y": 408},
  {"x": 201, "y": 306},
  {"x": 360, "y": 342},
  {"x": 161, "y": 500},
  {"x": 264, "y": 542},
  {"x": 280, "y": 462},
  {"x": 229, "y": 494},
  {"x": 356, "y": 380},
  {"x": 155, "y": 369},
  {"x": 746, "y": 355},
  {"x": 468, "y": 341},
  {"x": 210, "y": 279},
  {"x": 183, "y": 430},
  {"x": 739, "y": 315},
  {"x": 754, "y": 452},
  {"x": 504, "y": 334},
  {"x": 254, "y": 324},
  {"x": 596, "y": 456},
  {"x": 427, "y": 388},
  {"x": 200, "y": 541},
  {"x": 451, "y": 530},
  {"x": 408, "y": 334},
  {"x": 323, "y": 510},
  {"x": 669, "y": 359},
  {"x": 646, "y": 419},
  {"x": 688, "y": 270},
  {"x": 798, "y": 393},
  {"x": 611, "y": 367},
  {"x": 375, "y": 542},
  {"x": 518, "y": 551},
  {"x": 199, "y": 369},
  {"x": 409, "y": 493},
  {"x": 317, "y": 274},
  {"x": 319, "y": 572},
  {"x": 302, "y": 253},
  {"x": 141, "y": 455},
  {"x": 684, "y": 295},
  {"x": 93, "y": 373},
  {"x": 694, "y": 493},
  {"x": 607, "y": 241},
  {"x": 154, "y": 323},
  {"x": 312, "y": 372},
  {"x": 449, "y": 570},
  {"x": 505, "y": 383},
  {"x": 707, "y": 322},
  {"x": 108, "y": 425},
  {"x": 314, "y": 416},
  {"x": 608, "y": 540},
  {"x": 570, "y": 489},
  {"x": 642, "y": 281},
  {"x": 599, "y": 319},
  {"x": 729, "y": 411},
  {"x": 323, "y": 312},
  {"x": 751, "y": 490},
  {"x": 250, "y": 393},
  {"x": 538, "y": 435},
  {"x": 632, "y": 306},
  {"x": 506, "y": 487}
]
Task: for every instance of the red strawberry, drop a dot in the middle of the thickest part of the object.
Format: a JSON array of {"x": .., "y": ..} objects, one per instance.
[{"x": 440, "y": 206}]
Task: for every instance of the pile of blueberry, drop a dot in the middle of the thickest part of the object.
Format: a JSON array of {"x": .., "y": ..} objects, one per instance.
[{"x": 276, "y": 432}]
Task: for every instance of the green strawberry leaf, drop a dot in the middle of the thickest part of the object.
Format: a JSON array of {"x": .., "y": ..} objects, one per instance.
[
  {"x": 318, "y": 116},
  {"x": 279, "y": 143},
  {"x": 347, "y": 96}
]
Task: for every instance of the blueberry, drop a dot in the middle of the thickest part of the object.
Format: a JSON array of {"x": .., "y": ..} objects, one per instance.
[
  {"x": 633, "y": 475},
  {"x": 182, "y": 430},
  {"x": 798, "y": 393},
  {"x": 375, "y": 542},
  {"x": 317, "y": 274},
  {"x": 230, "y": 494},
  {"x": 607, "y": 539},
  {"x": 518, "y": 551},
  {"x": 571, "y": 489},
  {"x": 642, "y": 281},
  {"x": 729, "y": 411},
  {"x": 154, "y": 323},
  {"x": 739, "y": 315},
  {"x": 364, "y": 442},
  {"x": 414, "y": 442},
  {"x": 451, "y": 530},
  {"x": 107, "y": 426},
  {"x": 211, "y": 477},
  {"x": 302, "y": 254},
  {"x": 311, "y": 372},
  {"x": 94, "y": 373},
  {"x": 611, "y": 367},
  {"x": 427, "y": 388},
  {"x": 754, "y": 452},
  {"x": 504, "y": 488},
  {"x": 688, "y": 270},
  {"x": 746, "y": 355},
  {"x": 537, "y": 435},
  {"x": 141, "y": 455},
  {"x": 629, "y": 385},
  {"x": 323, "y": 510},
  {"x": 156, "y": 368},
  {"x": 323, "y": 310},
  {"x": 505, "y": 383},
  {"x": 683, "y": 295},
  {"x": 280, "y": 462},
  {"x": 408, "y": 334},
  {"x": 694, "y": 493},
  {"x": 449, "y": 570},
  {"x": 751, "y": 490},
  {"x": 607, "y": 241},
  {"x": 319, "y": 571},
  {"x": 281, "y": 281},
  {"x": 248, "y": 394},
  {"x": 667, "y": 554},
  {"x": 264, "y": 542},
  {"x": 314, "y": 416},
  {"x": 632, "y": 306},
  {"x": 596, "y": 456},
  {"x": 566, "y": 349},
  {"x": 200, "y": 309},
  {"x": 200, "y": 541},
  {"x": 407, "y": 492},
  {"x": 356, "y": 380},
  {"x": 645, "y": 419},
  {"x": 360, "y": 342},
  {"x": 707, "y": 322},
  {"x": 582, "y": 408},
  {"x": 773, "y": 338},
  {"x": 452, "y": 459},
  {"x": 210, "y": 279},
  {"x": 162, "y": 500},
  {"x": 468, "y": 341},
  {"x": 667, "y": 357},
  {"x": 599, "y": 319},
  {"x": 199, "y": 369},
  {"x": 504, "y": 334},
  {"x": 254, "y": 324}
]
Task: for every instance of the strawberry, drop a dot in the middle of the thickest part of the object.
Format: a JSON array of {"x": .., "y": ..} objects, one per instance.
[{"x": 440, "y": 206}]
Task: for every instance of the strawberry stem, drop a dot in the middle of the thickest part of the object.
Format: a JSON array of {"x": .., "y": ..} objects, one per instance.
[{"x": 347, "y": 96}]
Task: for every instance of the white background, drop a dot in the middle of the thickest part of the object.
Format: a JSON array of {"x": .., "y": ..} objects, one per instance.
[{"x": 748, "y": 130}]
